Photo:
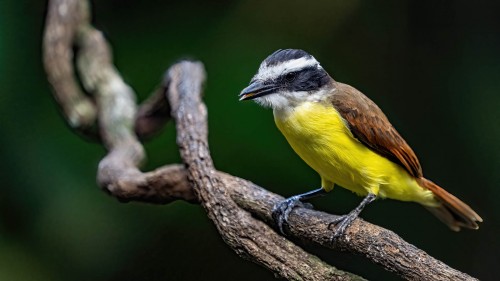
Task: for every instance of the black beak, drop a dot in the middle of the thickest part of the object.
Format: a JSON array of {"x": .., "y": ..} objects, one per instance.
[{"x": 257, "y": 89}]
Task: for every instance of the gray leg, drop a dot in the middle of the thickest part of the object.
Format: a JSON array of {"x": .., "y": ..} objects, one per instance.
[
  {"x": 343, "y": 222},
  {"x": 283, "y": 209}
]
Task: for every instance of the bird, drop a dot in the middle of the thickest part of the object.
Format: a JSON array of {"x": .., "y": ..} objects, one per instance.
[{"x": 347, "y": 139}]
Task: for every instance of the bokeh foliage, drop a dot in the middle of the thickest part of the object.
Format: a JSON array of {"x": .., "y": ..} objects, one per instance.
[{"x": 433, "y": 67}]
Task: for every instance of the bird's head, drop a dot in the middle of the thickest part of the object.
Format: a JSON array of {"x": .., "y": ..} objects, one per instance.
[{"x": 288, "y": 78}]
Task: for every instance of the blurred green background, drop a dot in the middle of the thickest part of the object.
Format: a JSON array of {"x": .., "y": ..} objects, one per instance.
[{"x": 433, "y": 67}]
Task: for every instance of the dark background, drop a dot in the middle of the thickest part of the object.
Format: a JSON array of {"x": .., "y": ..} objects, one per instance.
[{"x": 433, "y": 67}]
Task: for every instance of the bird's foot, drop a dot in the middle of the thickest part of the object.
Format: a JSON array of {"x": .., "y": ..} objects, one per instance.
[
  {"x": 341, "y": 224},
  {"x": 282, "y": 210}
]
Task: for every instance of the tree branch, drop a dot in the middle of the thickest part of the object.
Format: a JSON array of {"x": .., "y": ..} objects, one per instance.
[
  {"x": 63, "y": 20},
  {"x": 66, "y": 23},
  {"x": 377, "y": 244},
  {"x": 153, "y": 113},
  {"x": 240, "y": 210}
]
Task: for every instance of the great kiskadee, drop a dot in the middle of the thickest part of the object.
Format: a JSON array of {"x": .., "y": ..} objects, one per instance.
[{"x": 346, "y": 139}]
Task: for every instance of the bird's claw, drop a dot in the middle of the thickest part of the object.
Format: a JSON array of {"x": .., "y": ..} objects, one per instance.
[
  {"x": 341, "y": 224},
  {"x": 282, "y": 210}
]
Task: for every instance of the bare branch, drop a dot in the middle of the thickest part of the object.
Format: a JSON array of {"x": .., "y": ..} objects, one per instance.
[
  {"x": 68, "y": 25},
  {"x": 118, "y": 172},
  {"x": 153, "y": 112},
  {"x": 377, "y": 244},
  {"x": 63, "y": 19}
]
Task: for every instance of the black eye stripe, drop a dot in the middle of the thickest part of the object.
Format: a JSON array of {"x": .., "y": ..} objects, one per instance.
[
  {"x": 299, "y": 73},
  {"x": 305, "y": 79}
]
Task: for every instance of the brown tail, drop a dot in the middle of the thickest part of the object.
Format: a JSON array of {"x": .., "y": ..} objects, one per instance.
[{"x": 453, "y": 212}]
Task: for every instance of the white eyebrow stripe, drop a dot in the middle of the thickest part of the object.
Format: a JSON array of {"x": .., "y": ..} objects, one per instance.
[{"x": 266, "y": 72}]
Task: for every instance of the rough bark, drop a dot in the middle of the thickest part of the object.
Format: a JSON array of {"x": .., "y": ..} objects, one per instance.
[
  {"x": 63, "y": 21},
  {"x": 240, "y": 210}
]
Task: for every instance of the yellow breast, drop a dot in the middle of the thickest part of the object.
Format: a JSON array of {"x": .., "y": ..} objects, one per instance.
[{"x": 320, "y": 136}]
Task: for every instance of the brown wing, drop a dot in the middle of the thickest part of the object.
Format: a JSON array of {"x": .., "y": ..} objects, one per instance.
[{"x": 370, "y": 126}]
